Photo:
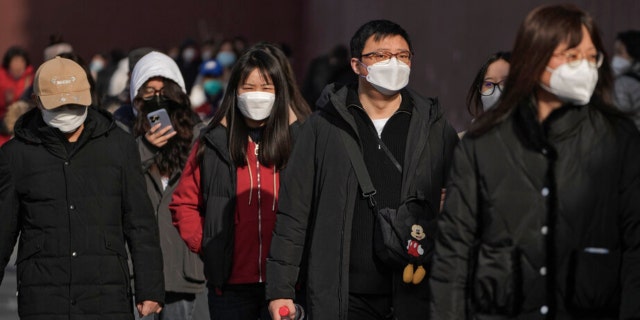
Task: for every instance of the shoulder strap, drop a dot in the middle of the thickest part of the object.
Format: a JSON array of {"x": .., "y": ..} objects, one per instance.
[
  {"x": 385, "y": 149},
  {"x": 359, "y": 167},
  {"x": 389, "y": 154}
]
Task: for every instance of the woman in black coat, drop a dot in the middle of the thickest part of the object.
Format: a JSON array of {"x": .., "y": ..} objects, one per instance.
[{"x": 542, "y": 216}]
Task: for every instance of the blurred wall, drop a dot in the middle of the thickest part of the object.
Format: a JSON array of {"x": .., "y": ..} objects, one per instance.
[
  {"x": 99, "y": 26},
  {"x": 451, "y": 38}
]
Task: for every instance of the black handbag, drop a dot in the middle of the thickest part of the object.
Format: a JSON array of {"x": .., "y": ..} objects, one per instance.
[{"x": 395, "y": 227}]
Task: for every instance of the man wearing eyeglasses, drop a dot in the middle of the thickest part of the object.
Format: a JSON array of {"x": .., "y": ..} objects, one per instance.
[{"x": 324, "y": 232}]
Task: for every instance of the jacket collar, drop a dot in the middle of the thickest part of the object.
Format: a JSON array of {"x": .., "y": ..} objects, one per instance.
[
  {"x": 31, "y": 129},
  {"x": 216, "y": 137},
  {"x": 561, "y": 124},
  {"x": 424, "y": 112}
]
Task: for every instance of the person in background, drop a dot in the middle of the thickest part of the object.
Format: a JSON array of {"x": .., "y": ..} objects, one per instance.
[
  {"x": 328, "y": 68},
  {"x": 207, "y": 50},
  {"x": 97, "y": 64},
  {"x": 189, "y": 61},
  {"x": 56, "y": 46},
  {"x": 105, "y": 88},
  {"x": 324, "y": 225},
  {"x": 126, "y": 114},
  {"x": 73, "y": 192},
  {"x": 240, "y": 44},
  {"x": 14, "y": 111},
  {"x": 542, "y": 214},
  {"x": 208, "y": 89},
  {"x": 226, "y": 55},
  {"x": 16, "y": 76},
  {"x": 487, "y": 86},
  {"x": 156, "y": 83},
  {"x": 226, "y": 201},
  {"x": 626, "y": 69}
]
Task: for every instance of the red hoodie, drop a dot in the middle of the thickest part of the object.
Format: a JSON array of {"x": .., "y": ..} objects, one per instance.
[
  {"x": 255, "y": 214},
  {"x": 11, "y": 89}
]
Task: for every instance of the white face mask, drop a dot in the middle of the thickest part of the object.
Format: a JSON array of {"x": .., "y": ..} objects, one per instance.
[
  {"x": 388, "y": 77},
  {"x": 256, "y": 105},
  {"x": 66, "y": 118},
  {"x": 490, "y": 101},
  {"x": 620, "y": 65},
  {"x": 189, "y": 54},
  {"x": 573, "y": 84}
]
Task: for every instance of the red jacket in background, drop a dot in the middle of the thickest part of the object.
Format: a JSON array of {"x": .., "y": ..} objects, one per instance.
[{"x": 11, "y": 89}]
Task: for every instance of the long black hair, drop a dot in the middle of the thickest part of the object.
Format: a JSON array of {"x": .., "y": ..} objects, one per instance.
[
  {"x": 542, "y": 31},
  {"x": 275, "y": 146}
]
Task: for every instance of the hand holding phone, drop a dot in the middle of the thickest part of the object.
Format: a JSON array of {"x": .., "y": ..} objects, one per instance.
[{"x": 162, "y": 117}]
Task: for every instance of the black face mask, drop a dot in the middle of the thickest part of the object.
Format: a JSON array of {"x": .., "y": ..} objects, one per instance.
[{"x": 155, "y": 103}]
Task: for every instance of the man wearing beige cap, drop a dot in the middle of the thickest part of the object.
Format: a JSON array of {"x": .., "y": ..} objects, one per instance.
[{"x": 72, "y": 189}]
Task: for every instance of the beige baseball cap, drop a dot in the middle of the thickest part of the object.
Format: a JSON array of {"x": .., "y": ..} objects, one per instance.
[{"x": 61, "y": 81}]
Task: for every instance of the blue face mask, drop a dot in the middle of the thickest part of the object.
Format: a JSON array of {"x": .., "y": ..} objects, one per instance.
[
  {"x": 212, "y": 87},
  {"x": 226, "y": 58}
]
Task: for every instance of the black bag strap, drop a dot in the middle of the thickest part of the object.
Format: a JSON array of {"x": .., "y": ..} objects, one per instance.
[
  {"x": 389, "y": 154},
  {"x": 385, "y": 149},
  {"x": 359, "y": 167}
]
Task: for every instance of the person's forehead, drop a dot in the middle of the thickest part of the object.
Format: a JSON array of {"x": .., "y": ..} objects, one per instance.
[
  {"x": 388, "y": 42},
  {"x": 257, "y": 77}
]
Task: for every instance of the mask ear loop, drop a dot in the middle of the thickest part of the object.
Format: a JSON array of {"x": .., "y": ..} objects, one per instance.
[{"x": 365, "y": 66}]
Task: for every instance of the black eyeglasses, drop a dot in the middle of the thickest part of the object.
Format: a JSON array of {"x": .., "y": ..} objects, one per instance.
[
  {"x": 149, "y": 92},
  {"x": 487, "y": 87}
]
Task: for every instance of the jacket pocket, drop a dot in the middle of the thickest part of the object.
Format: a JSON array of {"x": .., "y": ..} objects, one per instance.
[
  {"x": 593, "y": 282},
  {"x": 116, "y": 246},
  {"x": 27, "y": 251},
  {"x": 496, "y": 287},
  {"x": 192, "y": 266}
]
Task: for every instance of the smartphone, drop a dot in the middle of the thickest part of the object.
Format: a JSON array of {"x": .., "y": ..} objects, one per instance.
[{"x": 160, "y": 116}]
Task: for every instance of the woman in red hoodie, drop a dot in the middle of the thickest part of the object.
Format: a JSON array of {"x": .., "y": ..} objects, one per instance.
[
  {"x": 226, "y": 201},
  {"x": 15, "y": 76}
]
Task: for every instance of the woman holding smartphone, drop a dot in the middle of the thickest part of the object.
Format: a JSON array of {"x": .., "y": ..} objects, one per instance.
[
  {"x": 226, "y": 202},
  {"x": 158, "y": 93}
]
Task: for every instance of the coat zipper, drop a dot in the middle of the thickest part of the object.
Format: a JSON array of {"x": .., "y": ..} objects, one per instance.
[{"x": 259, "y": 216}]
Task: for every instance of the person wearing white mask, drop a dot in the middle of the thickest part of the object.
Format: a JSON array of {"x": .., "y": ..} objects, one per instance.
[
  {"x": 626, "y": 69},
  {"x": 74, "y": 194},
  {"x": 542, "y": 215},
  {"x": 226, "y": 201},
  {"x": 487, "y": 86},
  {"x": 406, "y": 144}
]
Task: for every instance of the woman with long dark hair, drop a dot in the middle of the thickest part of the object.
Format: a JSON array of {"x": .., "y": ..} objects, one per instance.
[
  {"x": 225, "y": 205},
  {"x": 542, "y": 215},
  {"x": 487, "y": 86},
  {"x": 156, "y": 83}
]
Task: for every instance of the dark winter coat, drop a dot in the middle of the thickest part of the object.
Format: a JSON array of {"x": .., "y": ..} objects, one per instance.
[
  {"x": 75, "y": 213},
  {"x": 183, "y": 269},
  {"x": 542, "y": 220},
  {"x": 318, "y": 191}
]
